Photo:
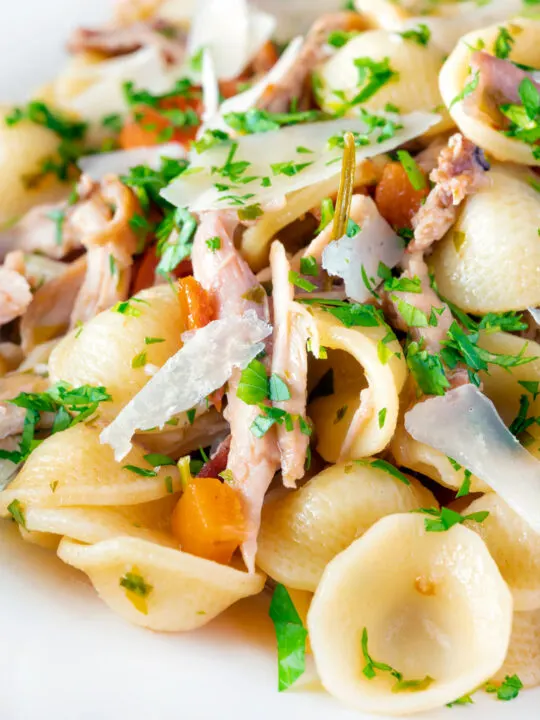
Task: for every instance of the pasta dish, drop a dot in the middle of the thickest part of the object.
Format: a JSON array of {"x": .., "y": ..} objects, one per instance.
[{"x": 269, "y": 322}]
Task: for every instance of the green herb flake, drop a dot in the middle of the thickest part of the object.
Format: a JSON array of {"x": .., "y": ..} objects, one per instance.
[
  {"x": 531, "y": 386},
  {"x": 135, "y": 583},
  {"x": 291, "y": 637},
  {"x": 464, "y": 700},
  {"x": 169, "y": 484},
  {"x": 16, "y": 511},
  {"x": 143, "y": 472},
  {"x": 213, "y": 244},
  {"x": 420, "y": 34},
  {"x": 412, "y": 316},
  {"x": 387, "y": 467},
  {"x": 190, "y": 414},
  {"x": 445, "y": 518},
  {"x": 278, "y": 389},
  {"x": 382, "y": 417},
  {"x": 468, "y": 89},
  {"x": 300, "y": 282},
  {"x": 153, "y": 340},
  {"x": 415, "y": 175},
  {"x": 309, "y": 266},
  {"x": 261, "y": 425},
  {"x": 508, "y": 689},
  {"x": 58, "y": 216},
  {"x": 372, "y": 76},
  {"x": 503, "y": 44},
  {"x": 253, "y": 386},
  {"x": 289, "y": 168},
  {"x": 139, "y": 360},
  {"x": 158, "y": 460}
]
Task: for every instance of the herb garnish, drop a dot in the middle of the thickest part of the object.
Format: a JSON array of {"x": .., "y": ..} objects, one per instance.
[{"x": 291, "y": 638}]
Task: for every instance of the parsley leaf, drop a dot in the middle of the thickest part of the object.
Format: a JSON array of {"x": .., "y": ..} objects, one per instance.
[
  {"x": 372, "y": 76},
  {"x": 508, "y": 689},
  {"x": 445, "y": 518},
  {"x": 158, "y": 460},
  {"x": 309, "y": 266},
  {"x": 371, "y": 666},
  {"x": 16, "y": 511},
  {"x": 415, "y": 175},
  {"x": 289, "y": 168},
  {"x": 427, "y": 370},
  {"x": 253, "y": 385},
  {"x": 175, "y": 246},
  {"x": 301, "y": 282},
  {"x": 278, "y": 389},
  {"x": 468, "y": 89},
  {"x": 291, "y": 638},
  {"x": 259, "y": 121},
  {"x": 39, "y": 113},
  {"x": 412, "y": 316},
  {"x": 143, "y": 472},
  {"x": 135, "y": 583},
  {"x": 380, "y": 464},
  {"x": 420, "y": 34},
  {"x": 503, "y": 44}
]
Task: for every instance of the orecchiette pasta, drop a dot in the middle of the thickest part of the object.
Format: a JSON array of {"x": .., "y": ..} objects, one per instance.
[
  {"x": 514, "y": 547},
  {"x": 480, "y": 275},
  {"x": 302, "y": 531},
  {"x": 414, "y": 85},
  {"x": 445, "y": 625},
  {"x": 73, "y": 468},
  {"x": 180, "y": 591},
  {"x": 348, "y": 422},
  {"x": 479, "y": 117}
]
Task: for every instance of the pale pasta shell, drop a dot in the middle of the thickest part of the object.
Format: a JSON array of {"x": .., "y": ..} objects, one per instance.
[
  {"x": 73, "y": 468},
  {"x": 455, "y": 74},
  {"x": 23, "y": 147},
  {"x": 103, "y": 350},
  {"x": 186, "y": 591},
  {"x": 348, "y": 424},
  {"x": 523, "y": 658},
  {"x": 414, "y": 87},
  {"x": 304, "y": 530},
  {"x": 489, "y": 260},
  {"x": 514, "y": 547},
  {"x": 433, "y": 604}
]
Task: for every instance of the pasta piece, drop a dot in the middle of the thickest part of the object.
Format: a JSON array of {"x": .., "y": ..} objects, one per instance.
[
  {"x": 413, "y": 86},
  {"x": 424, "y": 459},
  {"x": 488, "y": 261},
  {"x": 23, "y": 147},
  {"x": 474, "y": 121},
  {"x": 173, "y": 591},
  {"x": 353, "y": 424},
  {"x": 513, "y": 545},
  {"x": 73, "y": 468},
  {"x": 256, "y": 240},
  {"x": 104, "y": 350},
  {"x": 523, "y": 658},
  {"x": 432, "y": 605},
  {"x": 303, "y": 531},
  {"x": 148, "y": 521}
]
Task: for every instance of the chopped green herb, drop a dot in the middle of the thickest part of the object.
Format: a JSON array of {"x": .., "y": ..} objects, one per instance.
[
  {"x": 136, "y": 584},
  {"x": 445, "y": 518},
  {"x": 175, "y": 245},
  {"x": 39, "y": 113},
  {"x": 289, "y": 168},
  {"x": 371, "y": 666},
  {"x": 261, "y": 425},
  {"x": 169, "y": 484},
  {"x": 327, "y": 214},
  {"x": 278, "y": 389},
  {"x": 301, "y": 282},
  {"x": 469, "y": 88},
  {"x": 153, "y": 340},
  {"x": 339, "y": 38},
  {"x": 372, "y": 76},
  {"x": 125, "y": 308},
  {"x": 508, "y": 689},
  {"x": 415, "y": 175},
  {"x": 427, "y": 370},
  {"x": 309, "y": 266},
  {"x": 412, "y": 316},
  {"x": 260, "y": 121},
  {"x": 420, "y": 34},
  {"x": 143, "y": 472},
  {"x": 16, "y": 511},
  {"x": 464, "y": 700},
  {"x": 503, "y": 44},
  {"x": 213, "y": 243},
  {"x": 58, "y": 216},
  {"x": 253, "y": 385},
  {"x": 465, "y": 487},
  {"x": 250, "y": 212},
  {"x": 380, "y": 464},
  {"x": 291, "y": 638},
  {"x": 113, "y": 122},
  {"x": 139, "y": 360},
  {"x": 190, "y": 414},
  {"x": 227, "y": 476},
  {"x": 531, "y": 386},
  {"x": 382, "y": 417},
  {"x": 158, "y": 460}
]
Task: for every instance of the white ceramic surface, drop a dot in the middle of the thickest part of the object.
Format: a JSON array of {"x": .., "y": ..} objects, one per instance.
[{"x": 63, "y": 654}]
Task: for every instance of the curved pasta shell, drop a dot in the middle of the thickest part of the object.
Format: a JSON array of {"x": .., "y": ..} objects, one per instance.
[
  {"x": 424, "y": 459},
  {"x": 415, "y": 87},
  {"x": 341, "y": 432},
  {"x": 256, "y": 240},
  {"x": 456, "y": 73},
  {"x": 383, "y": 13},
  {"x": 302, "y": 531},
  {"x": 23, "y": 147},
  {"x": 102, "y": 352},
  {"x": 523, "y": 658},
  {"x": 73, "y": 468},
  {"x": 148, "y": 521},
  {"x": 185, "y": 592},
  {"x": 493, "y": 267},
  {"x": 514, "y": 547},
  {"x": 433, "y": 604}
]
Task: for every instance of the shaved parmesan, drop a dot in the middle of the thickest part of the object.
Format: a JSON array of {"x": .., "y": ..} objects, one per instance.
[
  {"x": 358, "y": 257},
  {"x": 231, "y": 31},
  {"x": 102, "y": 82},
  {"x": 248, "y": 99},
  {"x": 121, "y": 161},
  {"x": 202, "y": 365},
  {"x": 210, "y": 87},
  {"x": 238, "y": 169},
  {"x": 465, "y": 425}
]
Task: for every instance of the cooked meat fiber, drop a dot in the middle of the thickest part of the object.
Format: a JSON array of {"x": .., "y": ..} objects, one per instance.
[{"x": 461, "y": 171}]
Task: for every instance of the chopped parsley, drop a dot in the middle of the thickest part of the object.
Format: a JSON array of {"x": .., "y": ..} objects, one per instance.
[
  {"x": 531, "y": 386},
  {"x": 382, "y": 417},
  {"x": 175, "y": 240},
  {"x": 69, "y": 405},
  {"x": 327, "y": 214},
  {"x": 291, "y": 637},
  {"x": 260, "y": 121},
  {"x": 143, "y": 472},
  {"x": 445, "y": 518},
  {"x": 126, "y": 308},
  {"x": 420, "y": 34},
  {"x": 253, "y": 386},
  {"x": 39, "y": 113},
  {"x": 427, "y": 370},
  {"x": 182, "y": 87},
  {"x": 139, "y": 360},
  {"x": 213, "y": 244},
  {"x": 415, "y": 175},
  {"x": 522, "y": 422},
  {"x": 137, "y": 589},
  {"x": 372, "y": 76},
  {"x": 372, "y": 666},
  {"x": 301, "y": 282},
  {"x": 16, "y": 511},
  {"x": 309, "y": 266},
  {"x": 289, "y": 168},
  {"x": 412, "y": 316},
  {"x": 153, "y": 340},
  {"x": 58, "y": 216},
  {"x": 158, "y": 460},
  {"x": 339, "y": 38},
  {"x": 508, "y": 689},
  {"x": 380, "y": 464},
  {"x": 468, "y": 89},
  {"x": 464, "y": 700},
  {"x": 503, "y": 44},
  {"x": 278, "y": 390}
]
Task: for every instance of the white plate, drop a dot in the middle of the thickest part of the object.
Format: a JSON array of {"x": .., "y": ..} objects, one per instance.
[{"x": 63, "y": 654}]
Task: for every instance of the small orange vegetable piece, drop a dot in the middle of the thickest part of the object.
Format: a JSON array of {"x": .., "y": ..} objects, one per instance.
[
  {"x": 149, "y": 127},
  {"x": 145, "y": 269},
  {"x": 208, "y": 520},
  {"x": 396, "y": 198},
  {"x": 197, "y": 304}
]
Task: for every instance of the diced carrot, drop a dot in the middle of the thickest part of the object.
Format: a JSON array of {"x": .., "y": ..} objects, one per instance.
[
  {"x": 145, "y": 270},
  {"x": 148, "y": 126},
  {"x": 208, "y": 520},
  {"x": 198, "y": 305},
  {"x": 396, "y": 198}
]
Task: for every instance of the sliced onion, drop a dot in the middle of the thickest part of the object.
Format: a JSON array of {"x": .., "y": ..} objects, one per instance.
[
  {"x": 119, "y": 162},
  {"x": 202, "y": 365},
  {"x": 197, "y": 190},
  {"x": 465, "y": 425},
  {"x": 375, "y": 243}
]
